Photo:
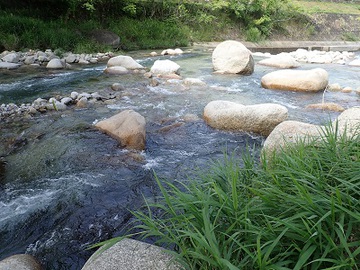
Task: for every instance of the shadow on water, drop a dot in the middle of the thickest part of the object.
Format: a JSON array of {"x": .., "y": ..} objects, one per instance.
[{"x": 65, "y": 185}]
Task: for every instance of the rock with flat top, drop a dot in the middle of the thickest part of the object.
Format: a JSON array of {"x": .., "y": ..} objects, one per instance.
[
  {"x": 312, "y": 80},
  {"x": 260, "y": 118}
]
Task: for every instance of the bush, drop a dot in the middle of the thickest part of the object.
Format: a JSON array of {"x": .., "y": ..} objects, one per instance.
[
  {"x": 149, "y": 33},
  {"x": 302, "y": 212}
]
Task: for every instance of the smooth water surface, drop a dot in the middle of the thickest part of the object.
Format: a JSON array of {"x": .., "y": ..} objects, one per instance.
[{"x": 66, "y": 185}]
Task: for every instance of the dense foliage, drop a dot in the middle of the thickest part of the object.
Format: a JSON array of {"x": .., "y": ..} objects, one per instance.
[
  {"x": 186, "y": 21},
  {"x": 300, "y": 211}
]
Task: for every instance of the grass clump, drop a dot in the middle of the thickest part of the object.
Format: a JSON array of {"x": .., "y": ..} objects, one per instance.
[{"x": 300, "y": 212}]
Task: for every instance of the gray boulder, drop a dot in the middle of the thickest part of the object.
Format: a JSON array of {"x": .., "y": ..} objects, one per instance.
[
  {"x": 7, "y": 65},
  {"x": 55, "y": 63},
  {"x": 131, "y": 254},
  {"x": 11, "y": 58},
  {"x": 232, "y": 57},
  {"x": 260, "y": 118},
  {"x": 20, "y": 262},
  {"x": 128, "y": 127},
  {"x": 312, "y": 80}
]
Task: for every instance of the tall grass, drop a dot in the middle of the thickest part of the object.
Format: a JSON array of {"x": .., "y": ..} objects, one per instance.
[
  {"x": 149, "y": 33},
  {"x": 300, "y": 212}
]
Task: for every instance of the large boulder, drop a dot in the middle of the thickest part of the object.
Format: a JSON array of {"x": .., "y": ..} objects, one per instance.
[
  {"x": 124, "y": 61},
  {"x": 131, "y": 254},
  {"x": 282, "y": 60},
  {"x": 128, "y": 127},
  {"x": 290, "y": 132},
  {"x": 349, "y": 122},
  {"x": 164, "y": 67},
  {"x": 232, "y": 57},
  {"x": 313, "y": 80},
  {"x": 20, "y": 262},
  {"x": 260, "y": 118}
]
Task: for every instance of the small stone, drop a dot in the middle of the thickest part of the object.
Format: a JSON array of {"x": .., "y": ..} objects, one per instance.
[
  {"x": 117, "y": 87},
  {"x": 82, "y": 103},
  {"x": 66, "y": 100},
  {"x": 347, "y": 90},
  {"x": 74, "y": 95}
]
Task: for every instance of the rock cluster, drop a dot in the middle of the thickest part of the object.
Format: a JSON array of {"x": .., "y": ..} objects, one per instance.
[
  {"x": 314, "y": 56},
  {"x": 48, "y": 58},
  {"x": 58, "y": 103}
]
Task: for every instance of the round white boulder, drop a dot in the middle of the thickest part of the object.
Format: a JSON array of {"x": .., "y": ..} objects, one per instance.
[
  {"x": 164, "y": 67},
  {"x": 232, "y": 57}
]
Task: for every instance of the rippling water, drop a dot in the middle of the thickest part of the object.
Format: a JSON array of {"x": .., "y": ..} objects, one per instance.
[{"x": 67, "y": 185}]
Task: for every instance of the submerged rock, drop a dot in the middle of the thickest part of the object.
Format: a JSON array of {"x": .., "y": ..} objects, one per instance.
[
  {"x": 260, "y": 118},
  {"x": 328, "y": 106}
]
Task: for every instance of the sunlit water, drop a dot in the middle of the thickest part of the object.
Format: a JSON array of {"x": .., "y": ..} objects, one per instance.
[{"x": 67, "y": 185}]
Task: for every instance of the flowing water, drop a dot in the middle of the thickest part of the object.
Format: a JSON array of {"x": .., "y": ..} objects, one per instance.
[{"x": 66, "y": 185}]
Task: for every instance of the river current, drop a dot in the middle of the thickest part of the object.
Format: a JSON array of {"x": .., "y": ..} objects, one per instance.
[{"x": 65, "y": 185}]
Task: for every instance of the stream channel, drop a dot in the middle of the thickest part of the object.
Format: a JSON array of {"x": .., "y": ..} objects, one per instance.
[{"x": 66, "y": 185}]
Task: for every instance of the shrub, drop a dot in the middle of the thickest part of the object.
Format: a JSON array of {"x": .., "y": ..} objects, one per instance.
[{"x": 302, "y": 212}]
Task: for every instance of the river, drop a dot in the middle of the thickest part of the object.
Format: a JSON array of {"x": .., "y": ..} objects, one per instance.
[{"x": 66, "y": 185}]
